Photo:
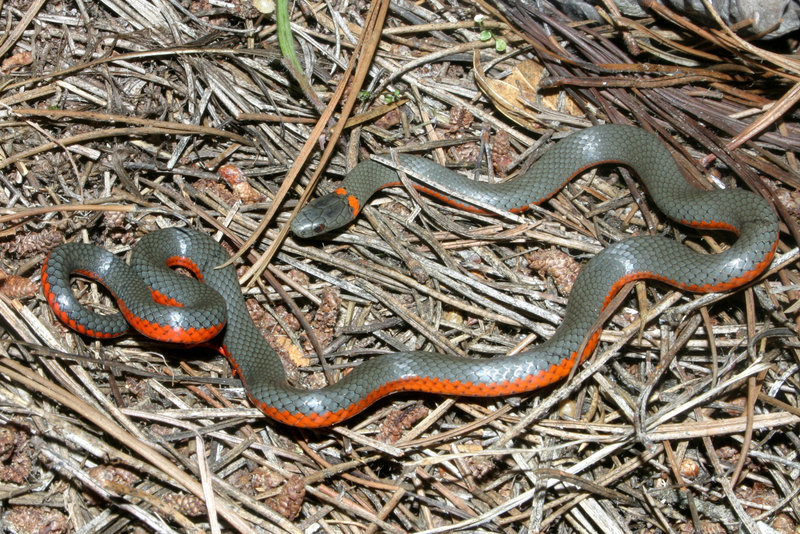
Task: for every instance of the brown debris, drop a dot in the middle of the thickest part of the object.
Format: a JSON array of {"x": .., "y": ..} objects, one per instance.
[
  {"x": 188, "y": 505},
  {"x": 16, "y": 61},
  {"x": 235, "y": 178},
  {"x": 689, "y": 468},
  {"x": 502, "y": 155},
  {"x": 518, "y": 96},
  {"x": 217, "y": 190},
  {"x": 35, "y": 520},
  {"x": 115, "y": 474},
  {"x": 27, "y": 244},
  {"x": 286, "y": 500},
  {"x": 390, "y": 119},
  {"x": 784, "y": 524},
  {"x": 115, "y": 478},
  {"x": 290, "y": 499},
  {"x": 324, "y": 320},
  {"x": 479, "y": 465},
  {"x": 114, "y": 220},
  {"x": 259, "y": 480},
  {"x": 460, "y": 119},
  {"x": 556, "y": 264},
  {"x": 16, "y": 463},
  {"x": 398, "y": 421},
  {"x": 17, "y": 287}
]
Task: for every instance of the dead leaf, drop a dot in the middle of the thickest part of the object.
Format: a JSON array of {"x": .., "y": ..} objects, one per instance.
[
  {"x": 513, "y": 95},
  {"x": 17, "y": 60},
  {"x": 295, "y": 354}
]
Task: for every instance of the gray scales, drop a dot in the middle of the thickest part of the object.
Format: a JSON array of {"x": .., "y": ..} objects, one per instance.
[{"x": 640, "y": 257}]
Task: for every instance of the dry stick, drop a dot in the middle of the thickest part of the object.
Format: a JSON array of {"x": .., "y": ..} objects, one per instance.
[
  {"x": 387, "y": 509},
  {"x": 664, "y": 361},
  {"x": 753, "y": 385},
  {"x": 733, "y": 44},
  {"x": 329, "y": 469},
  {"x": 22, "y": 375},
  {"x": 411, "y": 441},
  {"x": 712, "y": 346},
  {"x": 175, "y": 51},
  {"x": 31, "y": 212},
  {"x": 177, "y": 127},
  {"x": 777, "y": 110},
  {"x": 626, "y": 81},
  {"x": 109, "y": 132},
  {"x": 374, "y": 113},
  {"x": 572, "y": 499},
  {"x": 300, "y": 316},
  {"x": 269, "y": 117},
  {"x": 707, "y": 429},
  {"x": 336, "y": 499},
  {"x": 443, "y": 26},
  {"x": 363, "y": 53},
  {"x": 570, "y": 386},
  {"x": 764, "y": 397},
  {"x": 624, "y": 22},
  {"x": 158, "y": 503},
  {"x": 719, "y": 470},
  {"x": 780, "y": 60},
  {"x": 33, "y": 94},
  {"x": 417, "y": 322},
  {"x": 585, "y": 484},
  {"x": 19, "y": 29},
  {"x": 685, "y": 431},
  {"x": 75, "y": 471}
]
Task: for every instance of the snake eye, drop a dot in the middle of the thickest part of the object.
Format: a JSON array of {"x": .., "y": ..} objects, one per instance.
[{"x": 318, "y": 229}]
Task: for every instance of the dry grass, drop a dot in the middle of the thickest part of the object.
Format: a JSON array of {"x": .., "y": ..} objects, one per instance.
[{"x": 118, "y": 118}]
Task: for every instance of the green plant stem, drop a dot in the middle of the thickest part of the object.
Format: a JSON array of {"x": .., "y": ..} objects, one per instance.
[{"x": 285, "y": 38}]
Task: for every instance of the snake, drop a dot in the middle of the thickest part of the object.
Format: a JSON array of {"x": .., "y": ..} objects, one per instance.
[{"x": 163, "y": 304}]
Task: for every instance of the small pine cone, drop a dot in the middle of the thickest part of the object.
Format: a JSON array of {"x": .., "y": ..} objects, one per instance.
[
  {"x": 117, "y": 479},
  {"x": 398, "y": 421},
  {"x": 17, "y": 287},
  {"x": 263, "y": 479},
  {"x": 114, "y": 219},
  {"x": 502, "y": 156},
  {"x": 25, "y": 245},
  {"x": 460, "y": 119},
  {"x": 35, "y": 519},
  {"x": 115, "y": 474},
  {"x": 290, "y": 499},
  {"x": 556, "y": 264},
  {"x": 188, "y": 505}
]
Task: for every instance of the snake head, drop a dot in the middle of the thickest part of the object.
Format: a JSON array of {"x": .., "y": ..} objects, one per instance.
[{"x": 322, "y": 215}]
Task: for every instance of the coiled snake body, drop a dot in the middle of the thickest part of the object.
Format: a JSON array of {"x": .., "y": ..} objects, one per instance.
[{"x": 204, "y": 312}]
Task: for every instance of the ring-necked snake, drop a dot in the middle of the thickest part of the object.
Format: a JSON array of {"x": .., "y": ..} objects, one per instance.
[{"x": 148, "y": 290}]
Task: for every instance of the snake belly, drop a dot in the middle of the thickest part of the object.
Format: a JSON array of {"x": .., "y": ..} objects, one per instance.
[{"x": 147, "y": 290}]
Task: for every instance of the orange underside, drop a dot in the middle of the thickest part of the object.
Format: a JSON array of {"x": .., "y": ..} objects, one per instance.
[
  {"x": 154, "y": 331},
  {"x": 186, "y": 263},
  {"x": 61, "y": 314},
  {"x": 170, "y": 334},
  {"x": 440, "y": 385},
  {"x": 446, "y": 386}
]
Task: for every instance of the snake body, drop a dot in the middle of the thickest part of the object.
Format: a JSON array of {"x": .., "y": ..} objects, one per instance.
[{"x": 260, "y": 369}]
